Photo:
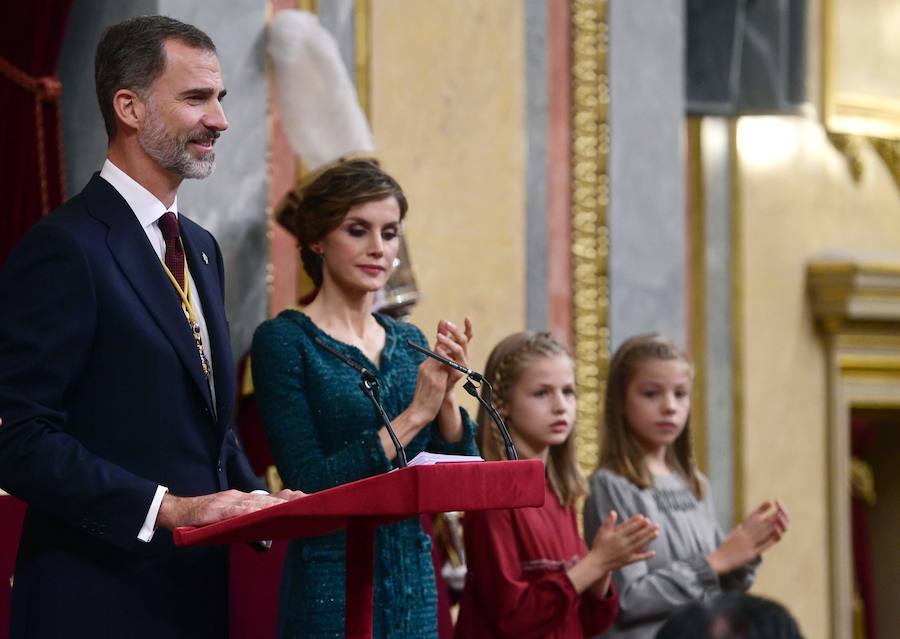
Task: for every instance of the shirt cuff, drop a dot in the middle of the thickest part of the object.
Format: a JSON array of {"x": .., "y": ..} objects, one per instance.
[
  {"x": 263, "y": 544},
  {"x": 149, "y": 527}
]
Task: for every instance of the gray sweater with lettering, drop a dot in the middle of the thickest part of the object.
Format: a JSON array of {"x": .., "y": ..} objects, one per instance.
[{"x": 649, "y": 591}]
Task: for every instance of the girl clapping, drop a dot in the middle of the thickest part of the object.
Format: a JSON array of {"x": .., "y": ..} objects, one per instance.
[
  {"x": 530, "y": 574},
  {"x": 647, "y": 467}
]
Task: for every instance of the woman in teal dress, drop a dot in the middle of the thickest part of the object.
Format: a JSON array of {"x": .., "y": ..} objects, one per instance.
[{"x": 324, "y": 432}]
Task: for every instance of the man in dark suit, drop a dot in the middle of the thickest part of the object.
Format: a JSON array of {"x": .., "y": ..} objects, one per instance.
[{"x": 116, "y": 376}]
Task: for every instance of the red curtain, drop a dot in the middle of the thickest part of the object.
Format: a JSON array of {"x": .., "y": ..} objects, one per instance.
[
  {"x": 32, "y": 179},
  {"x": 863, "y": 438}
]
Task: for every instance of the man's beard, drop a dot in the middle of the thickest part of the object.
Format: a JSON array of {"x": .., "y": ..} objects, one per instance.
[{"x": 173, "y": 152}]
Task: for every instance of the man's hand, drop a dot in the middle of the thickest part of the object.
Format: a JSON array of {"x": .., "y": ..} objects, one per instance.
[{"x": 208, "y": 509}]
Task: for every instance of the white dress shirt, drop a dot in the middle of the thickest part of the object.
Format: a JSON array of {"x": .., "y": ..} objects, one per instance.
[{"x": 147, "y": 209}]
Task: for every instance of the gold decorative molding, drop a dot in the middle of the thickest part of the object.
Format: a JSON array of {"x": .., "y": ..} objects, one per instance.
[
  {"x": 698, "y": 292},
  {"x": 738, "y": 346},
  {"x": 362, "y": 53},
  {"x": 852, "y": 148},
  {"x": 889, "y": 151},
  {"x": 852, "y": 118},
  {"x": 849, "y": 294},
  {"x": 590, "y": 233},
  {"x": 856, "y": 303}
]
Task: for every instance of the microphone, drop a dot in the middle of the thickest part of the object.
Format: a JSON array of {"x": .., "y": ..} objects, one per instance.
[
  {"x": 445, "y": 360},
  {"x": 475, "y": 381},
  {"x": 368, "y": 384}
]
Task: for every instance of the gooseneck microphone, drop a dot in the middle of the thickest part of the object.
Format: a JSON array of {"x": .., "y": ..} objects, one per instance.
[
  {"x": 446, "y": 360},
  {"x": 368, "y": 384},
  {"x": 474, "y": 382}
]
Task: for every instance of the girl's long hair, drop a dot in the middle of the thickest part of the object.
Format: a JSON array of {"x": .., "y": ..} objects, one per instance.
[
  {"x": 504, "y": 367},
  {"x": 620, "y": 451}
]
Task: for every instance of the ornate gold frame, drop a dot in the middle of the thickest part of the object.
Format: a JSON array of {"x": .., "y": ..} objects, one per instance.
[
  {"x": 857, "y": 306},
  {"x": 590, "y": 233},
  {"x": 851, "y": 118},
  {"x": 852, "y": 113}
]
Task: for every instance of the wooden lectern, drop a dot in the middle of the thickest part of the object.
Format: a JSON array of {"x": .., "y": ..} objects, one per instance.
[{"x": 363, "y": 505}]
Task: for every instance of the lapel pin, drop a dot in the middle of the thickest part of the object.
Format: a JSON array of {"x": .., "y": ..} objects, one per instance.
[{"x": 205, "y": 259}]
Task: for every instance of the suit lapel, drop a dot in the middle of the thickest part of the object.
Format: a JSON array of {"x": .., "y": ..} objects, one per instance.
[
  {"x": 136, "y": 258},
  {"x": 205, "y": 272}
]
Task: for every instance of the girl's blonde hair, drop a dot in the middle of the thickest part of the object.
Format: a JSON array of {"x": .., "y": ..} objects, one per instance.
[
  {"x": 504, "y": 367},
  {"x": 620, "y": 451}
]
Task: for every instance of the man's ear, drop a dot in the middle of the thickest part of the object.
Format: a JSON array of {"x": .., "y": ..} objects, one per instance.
[{"x": 129, "y": 108}]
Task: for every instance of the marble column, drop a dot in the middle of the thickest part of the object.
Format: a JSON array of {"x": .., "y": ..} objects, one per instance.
[{"x": 647, "y": 169}]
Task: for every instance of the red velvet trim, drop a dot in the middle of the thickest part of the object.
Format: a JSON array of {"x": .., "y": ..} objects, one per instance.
[{"x": 12, "y": 511}]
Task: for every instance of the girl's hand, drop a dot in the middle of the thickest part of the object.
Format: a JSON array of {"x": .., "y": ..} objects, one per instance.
[
  {"x": 454, "y": 344},
  {"x": 615, "y": 546},
  {"x": 761, "y": 530}
]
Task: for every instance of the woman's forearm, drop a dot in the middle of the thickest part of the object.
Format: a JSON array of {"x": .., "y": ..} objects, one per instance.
[
  {"x": 449, "y": 420},
  {"x": 406, "y": 426}
]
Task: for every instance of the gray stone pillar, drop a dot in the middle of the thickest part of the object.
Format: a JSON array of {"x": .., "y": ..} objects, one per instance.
[{"x": 647, "y": 172}]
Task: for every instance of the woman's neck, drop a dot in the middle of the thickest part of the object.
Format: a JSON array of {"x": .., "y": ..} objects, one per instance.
[{"x": 342, "y": 315}]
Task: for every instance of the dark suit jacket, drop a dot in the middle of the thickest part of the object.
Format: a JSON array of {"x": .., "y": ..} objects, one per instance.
[{"x": 102, "y": 398}]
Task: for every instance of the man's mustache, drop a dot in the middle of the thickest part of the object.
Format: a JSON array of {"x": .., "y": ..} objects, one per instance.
[{"x": 204, "y": 135}]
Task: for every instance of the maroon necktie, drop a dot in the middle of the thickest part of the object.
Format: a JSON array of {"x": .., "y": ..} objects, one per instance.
[{"x": 168, "y": 224}]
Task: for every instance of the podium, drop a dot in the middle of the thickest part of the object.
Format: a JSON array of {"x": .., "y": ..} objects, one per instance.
[{"x": 363, "y": 505}]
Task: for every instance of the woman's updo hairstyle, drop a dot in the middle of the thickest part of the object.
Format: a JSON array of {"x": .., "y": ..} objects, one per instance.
[{"x": 312, "y": 211}]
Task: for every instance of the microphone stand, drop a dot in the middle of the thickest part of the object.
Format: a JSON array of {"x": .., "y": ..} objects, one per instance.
[
  {"x": 368, "y": 384},
  {"x": 474, "y": 381},
  {"x": 487, "y": 403}
]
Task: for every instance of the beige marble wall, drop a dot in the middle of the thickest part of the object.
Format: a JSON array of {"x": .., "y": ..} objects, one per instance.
[
  {"x": 448, "y": 117},
  {"x": 796, "y": 201}
]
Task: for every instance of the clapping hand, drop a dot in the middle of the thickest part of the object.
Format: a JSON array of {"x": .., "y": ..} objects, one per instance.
[
  {"x": 615, "y": 545},
  {"x": 453, "y": 344},
  {"x": 761, "y": 530}
]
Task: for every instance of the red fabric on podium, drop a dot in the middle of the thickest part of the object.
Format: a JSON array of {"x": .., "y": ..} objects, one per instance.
[
  {"x": 389, "y": 497},
  {"x": 362, "y": 505},
  {"x": 254, "y": 581},
  {"x": 12, "y": 511}
]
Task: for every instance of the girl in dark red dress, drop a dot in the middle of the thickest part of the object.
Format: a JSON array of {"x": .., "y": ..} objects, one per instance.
[{"x": 530, "y": 573}]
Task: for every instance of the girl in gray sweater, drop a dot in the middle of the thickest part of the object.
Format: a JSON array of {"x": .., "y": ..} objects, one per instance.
[{"x": 647, "y": 467}]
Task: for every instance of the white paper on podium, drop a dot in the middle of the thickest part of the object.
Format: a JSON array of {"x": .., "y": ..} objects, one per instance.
[{"x": 427, "y": 459}]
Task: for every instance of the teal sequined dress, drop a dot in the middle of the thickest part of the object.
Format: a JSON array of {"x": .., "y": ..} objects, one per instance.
[{"x": 324, "y": 432}]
